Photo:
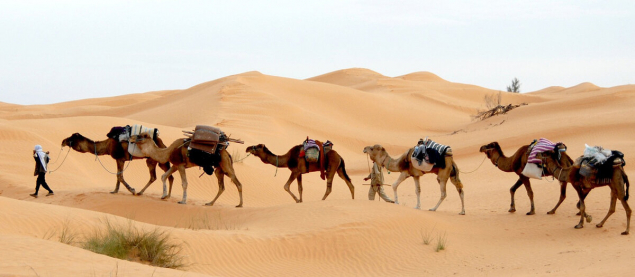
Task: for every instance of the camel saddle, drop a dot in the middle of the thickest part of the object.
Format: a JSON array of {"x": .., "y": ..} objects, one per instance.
[
  {"x": 313, "y": 151},
  {"x": 600, "y": 171},
  {"x": 207, "y": 138}
]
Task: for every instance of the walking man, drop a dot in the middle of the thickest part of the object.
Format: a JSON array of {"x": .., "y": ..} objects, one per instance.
[
  {"x": 377, "y": 180},
  {"x": 41, "y": 161}
]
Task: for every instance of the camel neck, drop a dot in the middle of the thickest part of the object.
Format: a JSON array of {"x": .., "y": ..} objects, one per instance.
[
  {"x": 275, "y": 160},
  {"x": 499, "y": 160},
  {"x": 390, "y": 164},
  {"x": 94, "y": 147},
  {"x": 561, "y": 174}
]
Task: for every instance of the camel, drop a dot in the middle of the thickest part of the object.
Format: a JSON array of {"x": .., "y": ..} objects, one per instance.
[
  {"x": 119, "y": 152},
  {"x": 177, "y": 154},
  {"x": 584, "y": 185},
  {"x": 402, "y": 164},
  {"x": 299, "y": 166},
  {"x": 516, "y": 163}
]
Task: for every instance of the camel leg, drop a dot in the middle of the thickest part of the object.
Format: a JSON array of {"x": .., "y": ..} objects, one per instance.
[
  {"x": 120, "y": 167},
  {"x": 396, "y": 184},
  {"x": 611, "y": 209},
  {"x": 329, "y": 183},
  {"x": 293, "y": 176},
  {"x": 152, "y": 167},
  {"x": 627, "y": 208},
  {"x": 183, "y": 183},
  {"x": 582, "y": 195},
  {"x": 300, "y": 189},
  {"x": 417, "y": 192},
  {"x": 228, "y": 169},
  {"x": 442, "y": 180},
  {"x": 221, "y": 185},
  {"x": 563, "y": 195},
  {"x": 512, "y": 191},
  {"x": 340, "y": 172},
  {"x": 530, "y": 193},
  {"x": 164, "y": 177},
  {"x": 459, "y": 187}
]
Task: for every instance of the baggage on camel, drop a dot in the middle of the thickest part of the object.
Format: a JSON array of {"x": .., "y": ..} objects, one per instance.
[
  {"x": 429, "y": 154},
  {"x": 205, "y": 145},
  {"x": 314, "y": 151},
  {"x": 123, "y": 133},
  {"x": 533, "y": 168},
  {"x": 597, "y": 163}
]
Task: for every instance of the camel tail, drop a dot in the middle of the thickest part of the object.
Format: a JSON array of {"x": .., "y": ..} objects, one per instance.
[
  {"x": 344, "y": 171},
  {"x": 627, "y": 185}
]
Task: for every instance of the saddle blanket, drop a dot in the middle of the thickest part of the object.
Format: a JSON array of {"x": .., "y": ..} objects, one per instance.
[
  {"x": 542, "y": 145},
  {"x": 136, "y": 130},
  {"x": 430, "y": 152}
]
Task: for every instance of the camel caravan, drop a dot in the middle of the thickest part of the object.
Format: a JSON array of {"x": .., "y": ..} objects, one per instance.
[{"x": 206, "y": 147}]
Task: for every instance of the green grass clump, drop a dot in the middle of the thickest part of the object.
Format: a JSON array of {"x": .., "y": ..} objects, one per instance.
[
  {"x": 130, "y": 243},
  {"x": 441, "y": 242}
]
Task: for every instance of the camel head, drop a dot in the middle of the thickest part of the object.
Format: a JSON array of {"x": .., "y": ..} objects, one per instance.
[
  {"x": 142, "y": 139},
  {"x": 258, "y": 150},
  {"x": 549, "y": 160},
  {"x": 74, "y": 140},
  {"x": 490, "y": 148},
  {"x": 376, "y": 152}
]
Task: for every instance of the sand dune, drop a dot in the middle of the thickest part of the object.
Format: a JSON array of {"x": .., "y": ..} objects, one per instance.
[{"x": 271, "y": 235}]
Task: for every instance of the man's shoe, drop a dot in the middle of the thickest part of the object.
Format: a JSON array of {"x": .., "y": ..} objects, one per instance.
[
  {"x": 34, "y": 195},
  {"x": 50, "y": 193}
]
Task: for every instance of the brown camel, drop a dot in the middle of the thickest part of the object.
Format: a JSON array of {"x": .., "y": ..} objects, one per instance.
[
  {"x": 516, "y": 163},
  {"x": 299, "y": 166},
  {"x": 402, "y": 164},
  {"x": 177, "y": 154},
  {"x": 583, "y": 186},
  {"x": 119, "y": 152}
]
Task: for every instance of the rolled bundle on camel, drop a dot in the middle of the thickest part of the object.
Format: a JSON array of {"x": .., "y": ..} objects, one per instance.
[
  {"x": 610, "y": 173},
  {"x": 118, "y": 150},
  {"x": 409, "y": 166},
  {"x": 204, "y": 147},
  {"x": 299, "y": 161},
  {"x": 517, "y": 163}
]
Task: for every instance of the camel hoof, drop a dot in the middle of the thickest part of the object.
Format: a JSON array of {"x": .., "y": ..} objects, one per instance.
[
  {"x": 239, "y": 206},
  {"x": 599, "y": 225},
  {"x": 133, "y": 192},
  {"x": 181, "y": 202},
  {"x": 625, "y": 233},
  {"x": 432, "y": 210},
  {"x": 164, "y": 197},
  {"x": 579, "y": 226},
  {"x": 551, "y": 212},
  {"x": 589, "y": 218},
  {"x": 512, "y": 210},
  {"x": 531, "y": 213},
  {"x": 139, "y": 193},
  {"x": 462, "y": 213},
  {"x": 113, "y": 192},
  {"x": 209, "y": 204}
]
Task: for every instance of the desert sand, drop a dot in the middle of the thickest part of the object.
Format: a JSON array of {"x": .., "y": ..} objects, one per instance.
[{"x": 272, "y": 235}]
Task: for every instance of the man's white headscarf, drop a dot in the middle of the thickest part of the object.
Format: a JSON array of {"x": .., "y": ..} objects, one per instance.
[{"x": 41, "y": 155}]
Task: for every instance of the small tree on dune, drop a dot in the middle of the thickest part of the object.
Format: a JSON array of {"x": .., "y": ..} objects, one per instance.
[{"x": 515, "y": 86}]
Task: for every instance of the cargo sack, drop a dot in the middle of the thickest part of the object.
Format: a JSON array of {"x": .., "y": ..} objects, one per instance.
[
  {"x": 203, "y": 159},
  {"x": 312, "y": 154},
  {"x": 532, "y": 170}
]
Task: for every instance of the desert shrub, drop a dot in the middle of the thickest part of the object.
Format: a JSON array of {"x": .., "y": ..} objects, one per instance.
[
  {"x": 131, "y": 243},
  {"x": 514, "y": 87}
]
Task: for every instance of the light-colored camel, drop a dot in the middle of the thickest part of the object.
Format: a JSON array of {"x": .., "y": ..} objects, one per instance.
[
  {"x": 177, "y": 154},
  {"x": 516, "y": 163},
  {"x": 583, "y": 186},
  {"x": 119, "y": 152},
  {"x": 402, "y": 164},
  {"x": 299, "y": 166}
]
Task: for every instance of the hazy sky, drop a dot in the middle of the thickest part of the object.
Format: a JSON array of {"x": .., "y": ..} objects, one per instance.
[{"x": 55, "y": 51}]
